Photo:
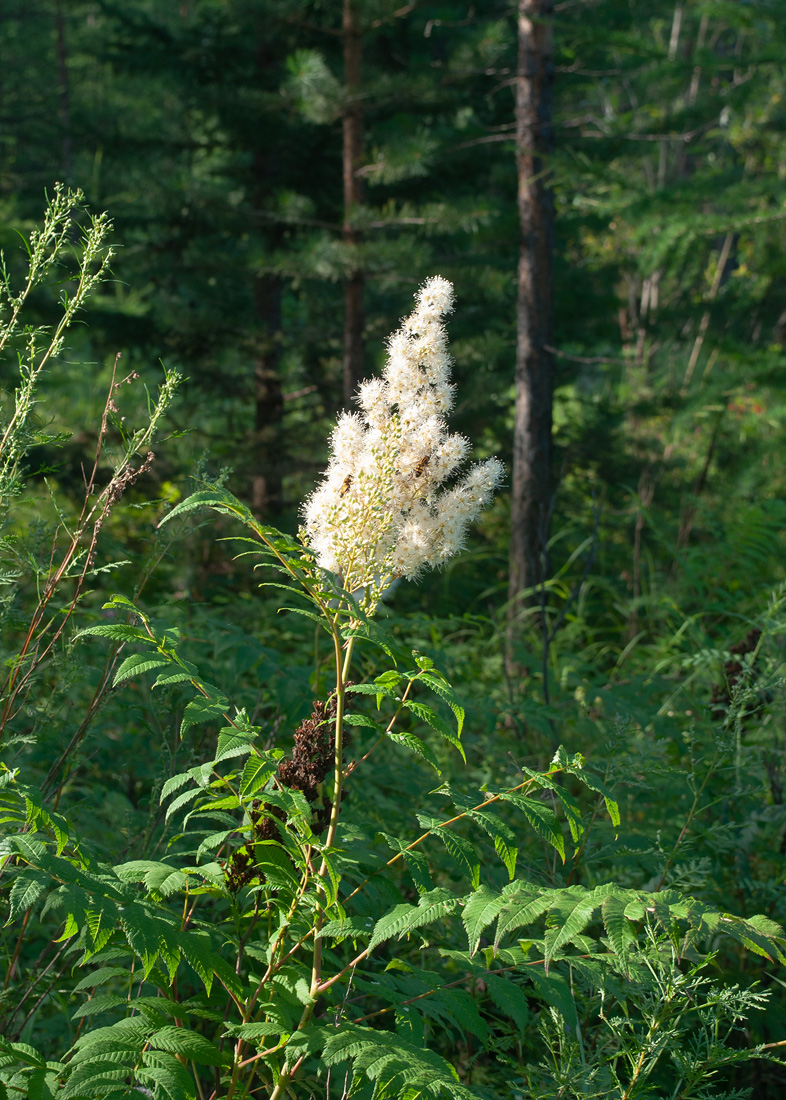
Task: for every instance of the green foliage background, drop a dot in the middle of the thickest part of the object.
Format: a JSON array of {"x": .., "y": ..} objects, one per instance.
[{"x": 210, "y": 130}]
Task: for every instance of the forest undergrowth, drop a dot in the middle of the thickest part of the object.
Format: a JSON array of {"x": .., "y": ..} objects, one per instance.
[{"x": 313, "y": 839}]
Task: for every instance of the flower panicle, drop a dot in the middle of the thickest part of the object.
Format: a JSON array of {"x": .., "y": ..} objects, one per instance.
[{"x": 382, "y": 510}]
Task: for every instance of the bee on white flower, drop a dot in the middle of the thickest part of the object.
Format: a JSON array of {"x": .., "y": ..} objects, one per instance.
[{"x": 396, "y": 455}]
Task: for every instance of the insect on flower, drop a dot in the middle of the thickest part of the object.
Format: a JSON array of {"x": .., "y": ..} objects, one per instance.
[
  {"x": 345, "y": 486},
  {"x": 422, "y": 465}
]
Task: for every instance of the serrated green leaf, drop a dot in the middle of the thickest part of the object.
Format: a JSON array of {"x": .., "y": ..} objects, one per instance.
[
  {"x": 219, "y": 499},
  {"x": 136, "y": 664},
  {"x": 179, "y": 677},
  {"x": 509, "y": 998},
  {"x": 406, "y": 918},
  {"x": 207, "y": 963},
  {"x": 361, "y": 720},
  {"x": 416, "y": 862},
  {"x": 172, "y": 1080},
  {"x": 101, "y": 976},
  {"x": 417, "y": 865},
  {"x": 182, "y": 800},
  {"x": 103, "y": 1003},
  {"x": 348, "y": 927},
  {"x": 595, "y": 784},
  {"x": 174, "y": 783},
  {"x": 136, "y": 869},
  {"x": 253, "y": 1031},
  {"x": 431, "y": 718},
  {"x": 213, "y": 841},
  {"x": 522, "y": 906},
  {"x": 460, "y": 849},
  {"x": 414, "y": 744},
  {"x": 372, "y": 689},
  {"x": 503, "y": 837},
  {"x": 27, "y": 890},
  {"x": 118, "y": 632},
  {"x": 231, "y": 744},
  {"x": 446, "y": 692},
  {"x": 542, "y": 819},
  {"x": 617, "y": 925},
  {"x": 257, "y": 771},
  {"x": 202, "y": 710},
  {"x": 481, "y": 908},
  {"x": 573, "y": 913},
  {"x": 166, "y": 881},
  {"x": 195, "y": 1047}
]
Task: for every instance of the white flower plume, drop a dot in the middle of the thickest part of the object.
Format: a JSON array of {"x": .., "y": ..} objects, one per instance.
[{"x": 382, "y": 510}]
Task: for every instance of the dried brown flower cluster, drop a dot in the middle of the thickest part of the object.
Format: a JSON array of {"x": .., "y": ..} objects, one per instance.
[
  {"x": 312, "y": 756},
  {"x": 311, "y": 760}
]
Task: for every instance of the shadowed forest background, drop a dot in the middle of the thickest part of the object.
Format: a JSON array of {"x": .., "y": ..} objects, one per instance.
[{"x": 281, "y": 175}]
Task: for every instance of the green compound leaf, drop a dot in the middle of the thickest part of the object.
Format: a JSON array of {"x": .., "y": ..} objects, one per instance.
[
  {"x": 416, "y": 862},
  {"x": 501, "y": 834},
  {"x": 118, "y": 632},
  {"x": 431, "y": 718},
  {"x": 361, "y": 720},
  {"x": 445, "y": 691},
  {"x": 523, "y": 905},
  {"x": 202, "y": 710},
  {"x": 170, "y": 1077}
]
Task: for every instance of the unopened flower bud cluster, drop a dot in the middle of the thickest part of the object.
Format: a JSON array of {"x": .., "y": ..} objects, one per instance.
[{"x": 382, "y": 510}]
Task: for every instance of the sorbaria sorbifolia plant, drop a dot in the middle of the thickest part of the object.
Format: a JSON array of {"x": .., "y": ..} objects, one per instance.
[
  {"x": 379, "y": 513},
  {"x": 282, "y": 947}
]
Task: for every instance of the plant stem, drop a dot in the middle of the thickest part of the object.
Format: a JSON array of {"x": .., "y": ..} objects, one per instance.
[{"x": 687, "y": 824}]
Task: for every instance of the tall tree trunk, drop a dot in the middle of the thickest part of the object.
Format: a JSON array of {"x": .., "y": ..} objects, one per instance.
[
  {"x": 353, "y": 151},
  {"x": 531, "y": 490}
]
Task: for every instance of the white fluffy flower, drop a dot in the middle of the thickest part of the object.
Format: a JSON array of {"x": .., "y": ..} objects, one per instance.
[
  {"x": 435, "y": 297},
  {"x": 380, "y": 512}
]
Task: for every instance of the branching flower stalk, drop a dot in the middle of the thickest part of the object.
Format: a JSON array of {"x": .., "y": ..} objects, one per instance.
[
  {"x": 45, "y": 249},
  {"x": 385, "y": 509},
  {"x": 78, "y": 556}
]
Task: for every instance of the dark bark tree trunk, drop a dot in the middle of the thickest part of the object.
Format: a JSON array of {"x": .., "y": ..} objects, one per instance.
[
  {"x": 352, "y": 154},
  {"x": 531, "y": 488}
]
